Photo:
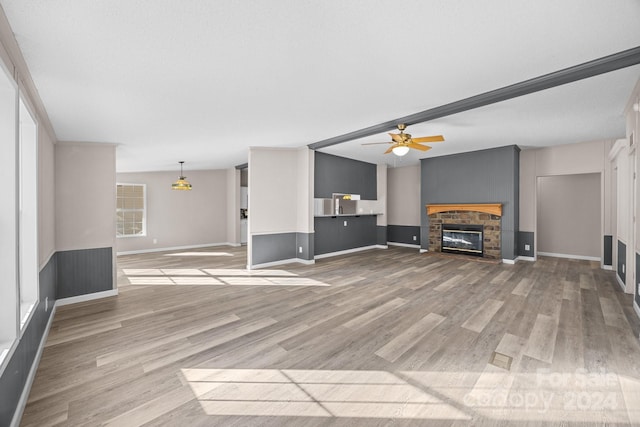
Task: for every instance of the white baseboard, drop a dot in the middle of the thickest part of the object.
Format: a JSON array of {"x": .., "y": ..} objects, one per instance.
[
  {"x": 621, "y": 283},
  {"x": 422, "y": 251},
  {"x": 350, "y": 251},
  {"x": 405, "y": 245},
  {"x": 525, "y": 258},
  {"x": 176, "y": 248},
  {"x": 582, "y": 257},
  {"x": 24, "y": 396},
  {"x": 87, "y": 297},
  {"x": 509, "y": 261},
  {"x": 636, "y": 308},
  {"x": 281, "y": 262},
  {"x": 607, "y": 267}
]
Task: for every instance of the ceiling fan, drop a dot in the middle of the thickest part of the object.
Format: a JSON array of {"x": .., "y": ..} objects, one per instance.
[{"x": 402, "y": 142}]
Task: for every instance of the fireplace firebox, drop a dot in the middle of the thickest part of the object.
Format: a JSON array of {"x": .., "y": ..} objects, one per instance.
[{"x": 462, "y": 239}]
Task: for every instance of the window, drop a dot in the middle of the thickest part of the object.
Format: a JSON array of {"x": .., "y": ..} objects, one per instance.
[
  {"x": 28, "y": 213},
  {"x": 130, "y": 210},
  {"x": 9, "y": 293}
]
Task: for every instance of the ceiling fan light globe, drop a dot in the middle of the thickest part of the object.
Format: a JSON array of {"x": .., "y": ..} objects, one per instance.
[{"x": 400, "y": 150}]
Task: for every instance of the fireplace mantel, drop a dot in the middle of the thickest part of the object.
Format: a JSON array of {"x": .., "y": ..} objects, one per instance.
[{"x": 490, "y": 208}]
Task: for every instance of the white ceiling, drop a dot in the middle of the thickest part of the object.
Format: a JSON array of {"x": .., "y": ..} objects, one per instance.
[{"x": 201, "y": 80}]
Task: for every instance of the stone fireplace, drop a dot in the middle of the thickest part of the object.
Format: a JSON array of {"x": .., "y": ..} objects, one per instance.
[{"x": 455, "y": 227}]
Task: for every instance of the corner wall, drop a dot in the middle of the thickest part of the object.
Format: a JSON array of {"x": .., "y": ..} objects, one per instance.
[
  {"x": 280, "y": 214},
  {"x": 85, "y": 175},
  {"x": 403, "y": 207}
]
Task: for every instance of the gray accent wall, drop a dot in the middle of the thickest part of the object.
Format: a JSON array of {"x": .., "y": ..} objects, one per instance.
[
  {"x": 526, "y": 238},
  {"x": 486, "y": 176},
  {"x": 382, "y": 233},
  {"x": 273, "y": 247},
  {"x": 14, "y": 378},
  {"x": 622, "y": 259},
  {"x": 276, "y": 247},
  {"x": 84, "y": 271},
  {"x": 331, "y": 235},
  {"x": 403, "y": 234},
  {"x": 637, "y": 290},
  {"x": 608, "y": 250},
  {"x": 334, "y": 174},
  {"x": 306, "y": 242}
]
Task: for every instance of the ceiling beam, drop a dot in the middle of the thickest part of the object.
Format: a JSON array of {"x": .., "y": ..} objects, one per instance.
[{"x": 606, "y": 64}]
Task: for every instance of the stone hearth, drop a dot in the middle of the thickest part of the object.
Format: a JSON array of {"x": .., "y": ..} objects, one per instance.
[{"x": 490, "y": 221}]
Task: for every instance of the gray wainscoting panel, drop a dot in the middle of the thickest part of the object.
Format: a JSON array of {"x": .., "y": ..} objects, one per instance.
[
  {"x": 334, "y": 174},
  {"x": 486, "y": 176},
  {"x": 84, "y": 271},
  {"x": 622, "y": 259},
  {"x": 608, "y": 250},
  {"x": 404, "y": 234},
  {"x": 306, "y": 242},
  {"x": 637, "y": 287},
  {"x": 331, "y": 235},
  {"x": 526, "y": 238},
  {"x": 14, "y": 378},
  {"x": 382, "y": 233},
  {"x": 273, "y": 247}
]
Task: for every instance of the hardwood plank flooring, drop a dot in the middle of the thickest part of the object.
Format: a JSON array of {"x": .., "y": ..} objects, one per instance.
[{"x": 377, "y": 338}]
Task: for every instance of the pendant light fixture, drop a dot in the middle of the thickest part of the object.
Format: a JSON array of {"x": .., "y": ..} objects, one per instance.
[{"x": 181, "y": 183}]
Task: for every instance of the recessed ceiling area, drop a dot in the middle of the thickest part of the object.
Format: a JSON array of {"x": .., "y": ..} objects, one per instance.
[{"x": 203, "y": 81}]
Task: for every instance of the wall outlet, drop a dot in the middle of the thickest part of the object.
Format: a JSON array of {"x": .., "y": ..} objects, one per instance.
[
  {"x": 345, "y": 223},
  {"x": 622, "y": 268},
  {"x": 300, "y": 249},
  {"x": 415, "y": 238},
  {"x": 527, "y": 247},
  {"x": 155, "y": 241},
  {"x": 46, "y": 304}
]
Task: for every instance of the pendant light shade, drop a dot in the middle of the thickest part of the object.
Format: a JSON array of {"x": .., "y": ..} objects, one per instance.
[
  {"x": 400, "y": 150},
  {"x": 181, "y": 183}
]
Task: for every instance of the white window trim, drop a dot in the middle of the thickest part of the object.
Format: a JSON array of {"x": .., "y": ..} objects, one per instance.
[{"x": 144, "y": 211}]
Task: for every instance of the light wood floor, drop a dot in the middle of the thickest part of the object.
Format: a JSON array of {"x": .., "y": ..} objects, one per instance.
[{"x": 377, "y": 338}]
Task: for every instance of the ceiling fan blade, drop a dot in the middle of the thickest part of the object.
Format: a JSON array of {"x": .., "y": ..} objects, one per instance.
[
  {"x": 376, "y": 143},
  {"x": 419, "y": 147},
  {"x": 434, "y": 138},
  {"x": 396, "y": 137},
  {"x": 390, "y": 149}
]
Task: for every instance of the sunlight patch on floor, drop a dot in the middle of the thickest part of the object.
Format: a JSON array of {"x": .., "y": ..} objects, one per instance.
[
  {"x": 314, "y": 393},
  {"x": 493, "y": 394},
  {"x": 246, "y": 273},
  {"x": 215, "y": 277},
  {"x": 200, "y": 254}
]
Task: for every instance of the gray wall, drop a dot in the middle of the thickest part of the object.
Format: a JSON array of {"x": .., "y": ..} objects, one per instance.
[
  {"x": 84, "y": 271},
  {"x": 331, "y": 235},
  {"x": 334, "y": 174},
  {"x": 622, "y": 256},
  {"x": 526, "y": 238},
  {"x": 403, "y": 234},
  {"x": 569, "y": 215},
  {"x": 486, "y": 176},
  {"x": 608, "y": 250},
  {"x": 278, "y": 247},
  {"x": 382, "y": 235},
  {"x": 637, "y": 291},
  {"x": 14, "y": 377}
]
